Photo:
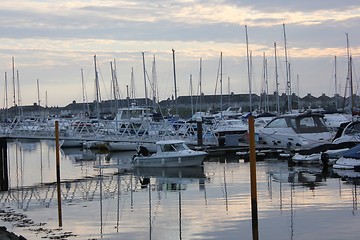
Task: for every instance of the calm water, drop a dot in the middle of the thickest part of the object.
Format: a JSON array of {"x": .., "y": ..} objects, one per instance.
[{"x": 103, "y": 201}]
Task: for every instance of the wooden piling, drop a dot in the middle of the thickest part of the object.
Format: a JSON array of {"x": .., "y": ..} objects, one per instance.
[
  {"x": 254, "y": 210},
  {"x": 4, "y": 178},
  {"x": 58, "y": 172},
  {"x": 199, "y": 131}
]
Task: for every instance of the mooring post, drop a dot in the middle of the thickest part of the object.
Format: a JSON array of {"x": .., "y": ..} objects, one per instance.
[
  {"x": 4, "y": 184},
  {"x": 199, "y": 131},
  {"x": 58, "y": 172},
  {"x": 254, "y": 210}
]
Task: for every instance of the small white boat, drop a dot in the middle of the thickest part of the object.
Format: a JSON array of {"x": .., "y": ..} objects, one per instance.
[
  {"x": 349, "y": 160},
  {"x": 347, "y": 163},
  {"x": 306, "y": 159},
  {"x": 95, "y": 145},
  {"x": 348, "y": 132},
  {"x": 170, "y": 153}
]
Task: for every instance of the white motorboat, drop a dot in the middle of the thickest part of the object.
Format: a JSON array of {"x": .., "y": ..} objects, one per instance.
[
  {"x": 326, "y": 154},
  {"x": 230, "y": 126},
  {"x": 348, "y": 132},
  {"x": 295, "y": 131},
  {"x": 350, "y": 159},
  {"x": 170, "y": 153},
  {"x": 306, "y": 159},
  {"x": 230, "y": 132},
  {"x": 347, "y": 163}
]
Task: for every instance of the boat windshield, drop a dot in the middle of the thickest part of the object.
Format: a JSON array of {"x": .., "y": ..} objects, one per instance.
[
  {"x": 353, "y": 129},
  {"x": 173, "y": 147}
]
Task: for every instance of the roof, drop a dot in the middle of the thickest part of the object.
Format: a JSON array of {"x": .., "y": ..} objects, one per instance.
[{"x": 173, "y": 141}]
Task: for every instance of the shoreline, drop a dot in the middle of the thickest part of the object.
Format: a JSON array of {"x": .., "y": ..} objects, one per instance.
[{"x": 6, "y": 235}]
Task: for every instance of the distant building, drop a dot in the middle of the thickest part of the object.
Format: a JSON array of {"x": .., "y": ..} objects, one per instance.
[{"x": 186, "y": 104}]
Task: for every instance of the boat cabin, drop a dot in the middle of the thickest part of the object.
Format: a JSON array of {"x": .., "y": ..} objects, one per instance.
[
  {"x": 304, "y": 123},
  {"x": 171, "y": 146}
]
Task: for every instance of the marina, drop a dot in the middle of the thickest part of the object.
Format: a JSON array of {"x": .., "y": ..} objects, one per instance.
[{"x": 101, "y": 198}]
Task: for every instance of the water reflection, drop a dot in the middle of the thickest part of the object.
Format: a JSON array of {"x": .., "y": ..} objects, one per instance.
[{"x": 103, "y": 199}]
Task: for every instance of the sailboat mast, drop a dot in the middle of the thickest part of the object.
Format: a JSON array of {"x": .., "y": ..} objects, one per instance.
[
  {"x": 336, "y": 90},
  {"x": 276, "y": 83},
  {"x": 229, "y": 93},
  {"x": 116, "y": 87},
  {"x": 83, "y": 91},
  {"x": 288, "y": 82},
  {"x": 351, "y": 85},
  {"x": 298, "y": 90},
  {"x": 13, "y": 77},
  {"x": 97, "y": 89},
  {"x": 191, "y": 96},
  {"x": 132, "y": 85},
  {"x": 38, "y": 91},
  {"x": 248, "y": 68},
  {"x": 6, "y": 92},
  {"x": 221, "y": 84},
  {"x": 349, "y": 77},
  {"x": 154, "y": 83},
  {"x": 200, "y": 85},
  {"x": 18, "y": 90},
  {"x": 266, "y": 84},
  {"x": 6, "y": 97},
  {"x": 113, "y": 86},
  {"x": 144, "y": 70},
  {"x": 176, "y": 102}
]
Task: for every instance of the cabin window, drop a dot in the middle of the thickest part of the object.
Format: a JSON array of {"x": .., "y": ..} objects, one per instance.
[
  {"x": 179, "y": 146},
  {"x": 311, "y": 125},
  {"x": 168, "y": 148},
  {"x": 278, "y": 123},
  {"x": 353, "y": 129}
]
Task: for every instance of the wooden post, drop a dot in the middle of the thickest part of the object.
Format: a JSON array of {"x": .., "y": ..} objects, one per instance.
[
  {"x": 199, "y": 131},
  {"x": 254, "y": 211},
  {"x": 4, "y": 178},
  {"x": 58, "y": 172}
]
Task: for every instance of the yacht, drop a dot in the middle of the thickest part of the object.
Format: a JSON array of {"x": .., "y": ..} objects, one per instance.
[{"x": 295, "y": 131}]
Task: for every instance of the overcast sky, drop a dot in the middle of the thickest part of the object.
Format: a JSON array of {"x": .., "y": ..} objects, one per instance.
[{"x": 53, "y": 40}]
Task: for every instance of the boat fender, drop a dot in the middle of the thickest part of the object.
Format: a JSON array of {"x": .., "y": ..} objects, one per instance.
[
  {"x": 179, "y": 160},
  {"x": 163, "y": 162}
]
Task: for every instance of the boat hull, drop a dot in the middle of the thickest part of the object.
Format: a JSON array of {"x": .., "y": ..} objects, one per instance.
[{"x": 347, "y": 163}]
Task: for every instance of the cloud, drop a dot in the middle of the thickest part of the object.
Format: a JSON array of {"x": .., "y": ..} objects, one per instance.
[{"x": 52, "y": 40}]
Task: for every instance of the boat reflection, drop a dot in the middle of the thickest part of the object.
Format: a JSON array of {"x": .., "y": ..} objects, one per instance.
[
  {"x": 303, "y": 176},
  {"x": 103, "y": 201},
  {"x": 170, "y": 173}
]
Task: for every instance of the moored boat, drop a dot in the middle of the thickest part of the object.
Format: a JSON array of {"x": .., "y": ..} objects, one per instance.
[
  {"x": 295, "y": 131},
  {"x": 349, "y": 160},
  {"x": 170, "y": 153}
]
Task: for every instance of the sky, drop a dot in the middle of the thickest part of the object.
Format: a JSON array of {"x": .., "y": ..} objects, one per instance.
[{"x": 52, "y": 41}]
